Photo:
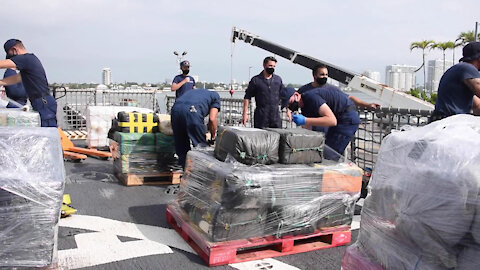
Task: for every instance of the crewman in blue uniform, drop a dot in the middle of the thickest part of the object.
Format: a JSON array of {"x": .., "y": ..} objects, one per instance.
[
  {"x": 325, "y": 107},
  {"x": 15, "y": 92},
  {"x": 188, "y": 115},
  {"x": 32, "y": 75},
  {"x": 265, "y": 87},
  {"x": 183, "y": 82}
]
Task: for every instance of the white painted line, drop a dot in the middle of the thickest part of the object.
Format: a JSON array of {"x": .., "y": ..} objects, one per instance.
[
  {"x": 97, "y": 253},
  {"x": 98, "y": 224},
  {"x": 356, "y": 222},
  {"x": 264, "y": 264},
  {"x": 85, "y": 240}
]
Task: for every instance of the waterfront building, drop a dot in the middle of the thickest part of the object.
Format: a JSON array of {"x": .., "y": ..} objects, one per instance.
[
  {"x": 374, "y": 75},
  {"x": 107, "y": 76},
  {"x": 400, "y": 77},
  {"x": 435, "y": 70}
]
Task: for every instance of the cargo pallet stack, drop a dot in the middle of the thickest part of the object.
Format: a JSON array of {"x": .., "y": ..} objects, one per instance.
[
  {"x": 237, "y": 203},
  {"x": 31, "y": 189},
  {"x": 142, "y": 153}
]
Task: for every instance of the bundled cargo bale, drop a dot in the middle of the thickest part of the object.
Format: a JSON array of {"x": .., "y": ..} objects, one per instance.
[
  {"x": 300, "y": 146},
  {"x": 19, "y": 118},
  {"x": 143, "y": 142},
  {"x": 165, "y": 124},
  {"x": 31, "y": 191},
  {"x": 247, "y": 145},
  {"x": 424, "y": 196},
  {"x": 99, "y": 122},
  {"x": 291, "y": 195},
  {"x": 136, "y": 122},
  {"x": 220, "y": 224}
]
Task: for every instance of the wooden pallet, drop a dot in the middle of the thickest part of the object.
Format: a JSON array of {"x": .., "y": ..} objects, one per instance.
[
  {"x": 160, "y": 178},
  {"x": 222, "y": 253},
  {"x": 76, "y": 134}
]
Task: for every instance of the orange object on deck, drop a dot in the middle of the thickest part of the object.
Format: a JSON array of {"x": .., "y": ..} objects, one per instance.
[{"x": 70, "y": 151}]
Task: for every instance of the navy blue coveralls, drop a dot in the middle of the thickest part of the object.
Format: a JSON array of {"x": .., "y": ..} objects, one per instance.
[
  {"x": 15, "y": 92},
  {"x": 337, "y": 137},
  {"x": 267, "y": 99},
  {"x": 35, "y": 82},
  {"x": 188, "y": 115},
  {"x": 186, "y": 87}
]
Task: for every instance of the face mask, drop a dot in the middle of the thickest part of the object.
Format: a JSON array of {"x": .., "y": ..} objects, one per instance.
[
  {"x": 270, "y": 70},
  {"x": 185, "y": 72},
  {"x": 321, "y": 81},
  {"x": 293, "y": 106}
]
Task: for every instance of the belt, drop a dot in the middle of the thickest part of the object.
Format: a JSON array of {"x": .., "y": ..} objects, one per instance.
[{"x": 33, "y": 97}]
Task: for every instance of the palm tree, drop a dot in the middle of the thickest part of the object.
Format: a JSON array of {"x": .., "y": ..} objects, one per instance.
[
  {"x": 467, "y": 37},
  {"x": 424, "y": 44},
  {"x": 443, "y": 46}
]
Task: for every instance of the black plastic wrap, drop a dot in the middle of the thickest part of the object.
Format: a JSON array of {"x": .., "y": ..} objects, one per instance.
[
  {"x": 247, "y": 145},
  {"x": 299, "y": 145}
]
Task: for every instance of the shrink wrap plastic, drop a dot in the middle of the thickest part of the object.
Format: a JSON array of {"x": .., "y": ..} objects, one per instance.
[
  {"x": 19, "y": 118},
  {"x": 142, "y": 153},
  {"x": 99, "y": 122},
  {"x": 229, "y": 200},
  {"x": 423, "y": 207},
  {"x": 300, "y": 145},
  {"x": 31, "y": 190}
]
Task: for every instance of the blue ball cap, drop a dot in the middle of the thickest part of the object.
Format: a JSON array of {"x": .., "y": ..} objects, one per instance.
[
  {"x": 285, "y": 95},
  {"x": 184, "y": 63},
  {"x": 9, "y": 44}
]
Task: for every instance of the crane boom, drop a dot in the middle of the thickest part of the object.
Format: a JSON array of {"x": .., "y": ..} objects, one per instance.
[{"x": 388, "y": 95}]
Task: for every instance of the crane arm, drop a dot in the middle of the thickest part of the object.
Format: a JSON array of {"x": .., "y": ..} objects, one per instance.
[{"x": 388, "y": 95}]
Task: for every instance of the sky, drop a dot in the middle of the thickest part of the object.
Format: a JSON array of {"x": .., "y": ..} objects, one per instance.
[{"x": 136, "y": 39}]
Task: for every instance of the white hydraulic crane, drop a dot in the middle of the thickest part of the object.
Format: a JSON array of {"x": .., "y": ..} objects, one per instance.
[{"x": 391, "y": 97}]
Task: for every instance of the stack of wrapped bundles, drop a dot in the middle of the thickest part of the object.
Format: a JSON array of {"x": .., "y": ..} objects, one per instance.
[
  {"x": 299, "y": 145},
  {"x": 19, "y": 118},
  {"x": 229, "y": 200},
  {"x": 99, "y": 122},
  {"x": 31, "y": 190},
  {"x": 423, "y": 210},
  {"x": 143, "y": 152},
  {"x": 247, "y": 145}
]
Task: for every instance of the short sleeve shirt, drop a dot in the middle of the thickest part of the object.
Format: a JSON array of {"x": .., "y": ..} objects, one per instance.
[
  {"x": 185, "y": 87},
  {"x": 454, "y": 96},
  {"x": 305, "y": 88},
  {"x": 33, "y": 75},
  {"x": 338, "y": 102},
  {"x": 202, "y": 99}
]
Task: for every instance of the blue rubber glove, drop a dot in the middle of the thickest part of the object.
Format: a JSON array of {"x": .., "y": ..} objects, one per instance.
[{"x": 299, "y": 119}]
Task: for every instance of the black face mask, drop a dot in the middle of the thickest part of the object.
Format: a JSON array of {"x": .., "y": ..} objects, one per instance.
[
  {"x": 186, "y": 71},
  {"x": 270, "y": 70},
  {"x": 321, "y": 81},
  {"x": 293, "y": 106}
]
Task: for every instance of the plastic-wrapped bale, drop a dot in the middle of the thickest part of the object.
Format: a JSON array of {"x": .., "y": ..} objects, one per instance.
[
  {"x": 31, "y": 191},
  {"x": 143, "y": 143},
  {"x": 300, "y": 146},
  {"x": 165, "y": 124},
  {"x": 137, "y": 163},
  {"x": 220, "y": 224},
  {"x": 99, "y": 122},
  {"x": 136, "y": 122},
  {"x": 292, "y": 194},
  {"x": 424, "y": 198},
  {"x": 231, "y": 185},
  {"x": 247, "y": 145},
  {"x": 19, "y": 118}
]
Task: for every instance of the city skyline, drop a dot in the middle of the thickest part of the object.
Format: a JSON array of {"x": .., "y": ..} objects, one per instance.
[{"x": 136, "y": 39}]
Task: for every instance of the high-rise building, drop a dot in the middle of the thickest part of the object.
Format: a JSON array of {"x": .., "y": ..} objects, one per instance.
[
  {"x": 435, "y": 70},
  {"x": 400, "y": 77},
  {"x": 106, "y": 76},
  {"x": 374, "y": 75}
]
